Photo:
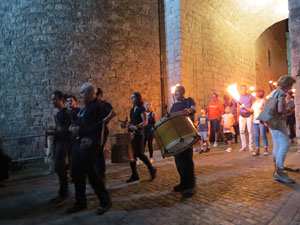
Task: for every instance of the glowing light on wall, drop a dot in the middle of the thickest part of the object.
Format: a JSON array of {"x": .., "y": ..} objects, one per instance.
[
  {"x": 251, "y": 88},
  {"x": 282, "y": 8}
]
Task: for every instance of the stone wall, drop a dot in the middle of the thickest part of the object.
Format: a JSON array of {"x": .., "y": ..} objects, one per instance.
[
  {"x": 49, "y": 45},
  {"x": 294, "y": 29},
  {"x": 218, "y": 46},
  {"x": 272, "y": 40}
]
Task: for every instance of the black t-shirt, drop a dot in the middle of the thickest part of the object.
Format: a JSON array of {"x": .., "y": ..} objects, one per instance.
[
  {"x": 135, "y": 115},
  {"x": 62, "y": 124},
  {"x": 151, "y": 121},
  {"x": 90, "y": 120},
  {"x": 185, "y": 103},
  {"x": 73, "y": 114}
]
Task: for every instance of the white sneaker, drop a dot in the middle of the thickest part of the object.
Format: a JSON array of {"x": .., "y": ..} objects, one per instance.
[
  {"x": 228, "y": 150},
  {"x": 215, "y": 144},
  {"x": 251, "y": 149}
]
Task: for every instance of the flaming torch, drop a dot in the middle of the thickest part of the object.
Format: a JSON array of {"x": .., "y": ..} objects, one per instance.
[
  {"x": 270, "y": 84},
  {"x": 232, "y": 90},
  {"x": 173, "y": 89}
]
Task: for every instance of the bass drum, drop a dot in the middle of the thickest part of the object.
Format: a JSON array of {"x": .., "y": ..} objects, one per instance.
[
  {"x": 120, "y": 146},
  {"x": 175, "y": 133}
]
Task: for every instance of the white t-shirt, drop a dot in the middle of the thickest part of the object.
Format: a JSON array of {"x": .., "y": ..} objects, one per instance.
[
  {"x": 257, "y": 107},
  {"x": 227, "y": 118}
]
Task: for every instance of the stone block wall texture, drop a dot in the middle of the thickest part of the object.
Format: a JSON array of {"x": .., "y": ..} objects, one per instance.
[
  {"x": 56, "y": 44},
  {"x": 273, "y": 40},
  {"x": 294, "y": 30}
]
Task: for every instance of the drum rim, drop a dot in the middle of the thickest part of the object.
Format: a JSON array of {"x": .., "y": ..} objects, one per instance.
[{"x": 165, "y": 119}]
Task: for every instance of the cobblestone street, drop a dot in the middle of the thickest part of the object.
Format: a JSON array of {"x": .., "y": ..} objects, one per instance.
[{"x": 232, "y": 188}]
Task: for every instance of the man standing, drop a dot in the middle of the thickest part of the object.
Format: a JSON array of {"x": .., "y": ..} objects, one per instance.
[
  {"x": 109, "y": 113},
  {"x": 215, "y": 110},
  {"x": 184, "y": 160},
  {"x": 85, "y": 158},
  {"x": 245, "y": 117},
  {"x": 62, "y": 144}
]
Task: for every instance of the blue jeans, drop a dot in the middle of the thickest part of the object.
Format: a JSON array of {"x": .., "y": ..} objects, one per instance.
[
  {"x": 260, "y": 129},
  {"x": 280, "y": 147}
]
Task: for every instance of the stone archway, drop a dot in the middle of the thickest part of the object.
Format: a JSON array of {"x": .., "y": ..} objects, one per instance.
[{"x": 211, "y": 44}]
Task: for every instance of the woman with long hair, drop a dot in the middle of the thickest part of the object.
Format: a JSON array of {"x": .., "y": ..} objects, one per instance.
[{"x": 138, "y": 120}]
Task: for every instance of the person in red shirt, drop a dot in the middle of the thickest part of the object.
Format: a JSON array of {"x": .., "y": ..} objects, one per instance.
[{"x": 215, "y": 110}]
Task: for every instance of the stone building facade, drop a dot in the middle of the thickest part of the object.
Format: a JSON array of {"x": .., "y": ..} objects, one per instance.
[{"x": 55, "y": 44}]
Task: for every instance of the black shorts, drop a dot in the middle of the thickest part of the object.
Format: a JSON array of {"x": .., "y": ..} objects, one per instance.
[
  {"x": 215, "y": 124},
  {"x": 229, "y": 136}
]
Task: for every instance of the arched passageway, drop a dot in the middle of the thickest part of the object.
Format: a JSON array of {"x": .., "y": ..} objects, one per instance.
[{"x": 212, "y": 43}]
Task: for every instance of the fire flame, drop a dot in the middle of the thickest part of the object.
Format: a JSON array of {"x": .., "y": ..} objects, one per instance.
[
  {"x": 174, "y": 88},
  {"x": 232, "y": 90}
]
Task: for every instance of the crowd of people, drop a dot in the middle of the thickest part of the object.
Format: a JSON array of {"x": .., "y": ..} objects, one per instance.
[{"x": 80, "y": 134}]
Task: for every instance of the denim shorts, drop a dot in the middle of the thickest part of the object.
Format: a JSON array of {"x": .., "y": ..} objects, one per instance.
[{"x": 203, "y": 135}]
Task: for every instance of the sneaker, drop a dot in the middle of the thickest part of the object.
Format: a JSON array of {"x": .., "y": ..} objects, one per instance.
[
  {"x": 242, "y": 150},
  {"x": 151, "y": 160},
  {"x": 201, "y": 151},
  {"x": 255, "y": 154},
  {"x": 266, "y": 153},
  {"x": 283, "y": 177},
  {"x": 132, "y": 179},
  {"x": 228, "y": 150},
  {"x": 76, "y": 208},
  {"x": 215, "y": 144},
  {"x": 251, "y": 150},
  {"x": 103, "y": 209},
  {"x": 207, "y": 149},
  {"x": 58, "y": 200}
]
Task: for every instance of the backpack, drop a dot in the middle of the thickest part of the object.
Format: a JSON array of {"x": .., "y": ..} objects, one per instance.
[{"x": 270, "y": 113}]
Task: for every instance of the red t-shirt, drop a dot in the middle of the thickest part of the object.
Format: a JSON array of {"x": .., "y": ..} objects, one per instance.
[{"x": 214, "y": 110}]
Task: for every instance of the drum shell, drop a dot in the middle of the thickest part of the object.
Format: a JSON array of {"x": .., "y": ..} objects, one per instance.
[
  {"x": 120, "y": 146},
  {"x": 175, "y": 133}
]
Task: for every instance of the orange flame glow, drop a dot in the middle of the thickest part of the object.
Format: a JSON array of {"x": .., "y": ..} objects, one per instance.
[{"x": 232, "y": 90}]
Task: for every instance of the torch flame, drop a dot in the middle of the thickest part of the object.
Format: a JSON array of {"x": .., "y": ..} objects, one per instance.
[
  {"x": 293, "y": 90},
  {"x": 174, "y": 88},
  {"x": 232, "y": 90},
  {"x": 274, "y": 83}
]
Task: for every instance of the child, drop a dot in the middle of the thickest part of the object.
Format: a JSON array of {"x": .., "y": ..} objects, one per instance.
[
  {"x": 4, "y": 164},
  {"x": 227, "y": 121},
  {"x": 204, "y": 130}
]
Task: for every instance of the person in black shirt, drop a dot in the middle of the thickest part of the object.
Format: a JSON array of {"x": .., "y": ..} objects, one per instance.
[
  {"x": 108, "y": 115},
  {"x": 138, "y": 120},
  {"x": 61, "y": 145},
  {"x": 148, "y": 132},
  {"x": 184, "y": 160},
  {"x": 85, "y": 158},
  {"x": 73, "y": 110}
]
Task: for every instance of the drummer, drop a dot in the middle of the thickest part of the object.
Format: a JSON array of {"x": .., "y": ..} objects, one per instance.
[
  {"x": 184, "y": 161},
  {"x": 138, "y": 120}
]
